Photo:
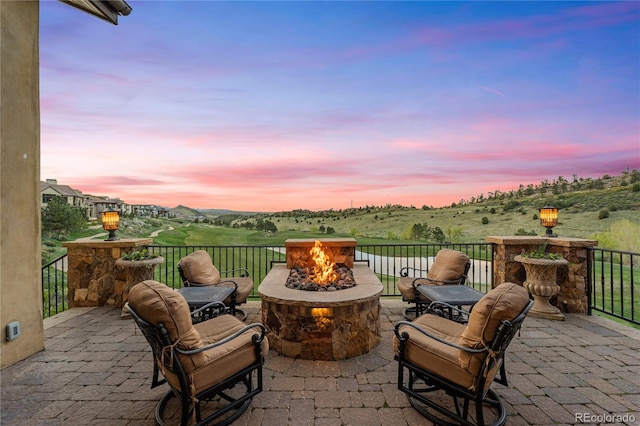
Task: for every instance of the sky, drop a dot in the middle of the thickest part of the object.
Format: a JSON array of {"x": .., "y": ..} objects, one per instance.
[{"x": 274, "y": 106}]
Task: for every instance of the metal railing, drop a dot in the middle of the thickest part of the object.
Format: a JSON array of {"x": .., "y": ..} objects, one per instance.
[
  {"x": 613, "y": 281},
  {"x": 613, "y": 276},
  {"x": 54, "y": 287},
  {"x": 385, "y": 260}
]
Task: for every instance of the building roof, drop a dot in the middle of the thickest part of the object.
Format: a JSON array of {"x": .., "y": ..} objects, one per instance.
[
  {"x": 109, "y": 10},
  {"x": 64, "y": 190}
]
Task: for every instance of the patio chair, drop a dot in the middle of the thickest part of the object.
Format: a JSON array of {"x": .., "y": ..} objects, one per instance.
[
  {"x": 197, "y": 269},
  {"x": 444, "y": 358},
  {"x": 213, "y": 367},
  {"x": 450, "y": 267}
]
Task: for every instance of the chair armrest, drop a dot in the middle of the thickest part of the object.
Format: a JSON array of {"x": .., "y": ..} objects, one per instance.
[
  {"x": 427, "y": 281},
  {"x": 216, "y": 305},
  {"x": 244, "y": 272},
  {"x": 223, "y": 282},
  {"x": 404, "y": 337},
  {"x": 194, "y": 284},
  {"x": 256, "y": 339},
  {"x": 404, "y": 272}
]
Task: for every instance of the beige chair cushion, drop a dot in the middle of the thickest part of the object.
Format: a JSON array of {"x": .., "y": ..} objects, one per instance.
[
  {"x": 431, "y": 355},
  {"x": 448, "y": 265},
  {"x": 505, "y": 302},
  {"x": 223, "y": 361},
  {"x": 156, "y": 303},
  {"x": 245, "y": 287},
  {"x": 197, "y": 267},
  {"x": 406, "y": 288}
]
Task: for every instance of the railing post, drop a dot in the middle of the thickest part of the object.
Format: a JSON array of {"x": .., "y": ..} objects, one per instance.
[{"x": 572, "y": 279}]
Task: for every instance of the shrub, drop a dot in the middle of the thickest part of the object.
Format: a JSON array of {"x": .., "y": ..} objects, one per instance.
[
  {"x": 522, "y": 232},
  {"x": 485, "y": 220},
  {"x": 622, "y": 235},
  {"x": 59, "y": 217},
  {"x": 603, "y": 214},
  {"x": 511, "y": 205}
]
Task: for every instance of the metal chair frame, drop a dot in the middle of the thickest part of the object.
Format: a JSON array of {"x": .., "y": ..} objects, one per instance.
[
  {"x": 158, "y": 338},
  {"x": 421, "y": 304},
  {"x": 420, "y": 383},
  {"x": 234, "y": 303}
]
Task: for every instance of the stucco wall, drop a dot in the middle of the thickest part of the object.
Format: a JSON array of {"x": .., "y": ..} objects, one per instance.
[{"x": 20, "y": 289}]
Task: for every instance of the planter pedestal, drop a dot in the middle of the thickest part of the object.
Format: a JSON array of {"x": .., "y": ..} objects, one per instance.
[
  {"x": 541, "y": 284},
  {"x": 136, "y": 271}
]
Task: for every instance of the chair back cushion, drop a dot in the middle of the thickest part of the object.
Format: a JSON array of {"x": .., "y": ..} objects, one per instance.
[
  {"x": 198, "y": 268},
  {"x": 448, "y": 265},
  {"x": 505, "y": 302},
  {"x": 156, "y": 303}
]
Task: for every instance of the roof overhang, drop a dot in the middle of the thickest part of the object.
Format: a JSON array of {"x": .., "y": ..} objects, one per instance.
[{"x": 109, "y": 10}]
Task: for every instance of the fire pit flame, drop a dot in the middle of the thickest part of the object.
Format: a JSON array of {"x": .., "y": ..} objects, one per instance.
[
  {"x": 323, "y": 274},
  {"x": 324, "y": 268}
]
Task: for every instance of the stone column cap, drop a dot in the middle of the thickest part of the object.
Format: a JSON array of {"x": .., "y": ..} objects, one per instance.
[
  {"x": 512, "y": 240},
  {"x": 127, "y": 242}
]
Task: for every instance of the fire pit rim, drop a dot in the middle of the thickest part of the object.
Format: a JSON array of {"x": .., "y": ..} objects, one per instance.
[{"x": 273, "y": 289}]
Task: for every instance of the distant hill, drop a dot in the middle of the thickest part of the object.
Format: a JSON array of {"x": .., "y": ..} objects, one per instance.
[
  {"x": 587, "y": 207},
  {"x": 222, "y": 212},
  {"x": 183, "y": 211}
]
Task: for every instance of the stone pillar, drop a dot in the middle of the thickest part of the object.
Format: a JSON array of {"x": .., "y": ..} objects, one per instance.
[
  {"x": 572, "y": 279},
  {"x": 92, "y": 276}
]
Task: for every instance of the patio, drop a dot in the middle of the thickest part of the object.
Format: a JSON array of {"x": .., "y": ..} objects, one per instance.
[{"x": 96, "y": 369}]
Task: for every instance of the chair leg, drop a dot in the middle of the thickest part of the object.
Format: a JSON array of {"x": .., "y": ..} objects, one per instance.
[
  {"x": 240, "y": 314},
  {"x": 187, "y": 413},
  {"x": 415, "y": 311},
  {"x": 425, "y": 397},
  {"x": 410, "y": 313}
]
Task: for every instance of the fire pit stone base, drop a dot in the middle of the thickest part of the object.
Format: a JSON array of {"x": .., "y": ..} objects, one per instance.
[{"x": 322, "y": 325}]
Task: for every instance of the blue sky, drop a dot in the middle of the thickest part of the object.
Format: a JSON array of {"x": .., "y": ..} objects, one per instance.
[{"x": 269, "y": 106}]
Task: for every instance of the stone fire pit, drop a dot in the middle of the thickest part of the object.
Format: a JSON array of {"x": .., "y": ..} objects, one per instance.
[{"x": 322, "y": 325}]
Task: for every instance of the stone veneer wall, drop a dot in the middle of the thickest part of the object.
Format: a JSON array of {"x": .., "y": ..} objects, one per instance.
[
  {"x": 321, "y": 325},
  {"x": 572, "y": 279},
  {"x": 343, "y": 331},
  {"x": 92, "y": 276}
]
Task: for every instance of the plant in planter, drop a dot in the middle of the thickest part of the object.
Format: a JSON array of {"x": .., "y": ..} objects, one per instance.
[
  {"x": 138, "y": 266},
  {"x": 541, "y": 268},
  {"x": 139, "y": 255}
]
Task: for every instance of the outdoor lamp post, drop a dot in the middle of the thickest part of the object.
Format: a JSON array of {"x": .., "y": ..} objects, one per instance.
[
  {"x": 111, "y": 223},
  {"x": 549, "y": 219}
]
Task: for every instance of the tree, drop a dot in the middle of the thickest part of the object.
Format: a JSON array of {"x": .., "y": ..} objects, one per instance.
[
  {"x": 437, "y": 234},
  {"x": 60, "y": 217},
  {"x": 454, "y": 234},
  {"x": 417, "y": 231}
]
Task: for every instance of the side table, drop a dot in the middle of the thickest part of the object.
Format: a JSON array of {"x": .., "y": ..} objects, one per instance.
[{"x": 197, "y": 297}]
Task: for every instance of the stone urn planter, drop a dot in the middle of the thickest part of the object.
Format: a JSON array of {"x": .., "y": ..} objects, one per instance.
[
  {"x": 135, "y": 271},
  {"x": 541, "y": 284}
]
